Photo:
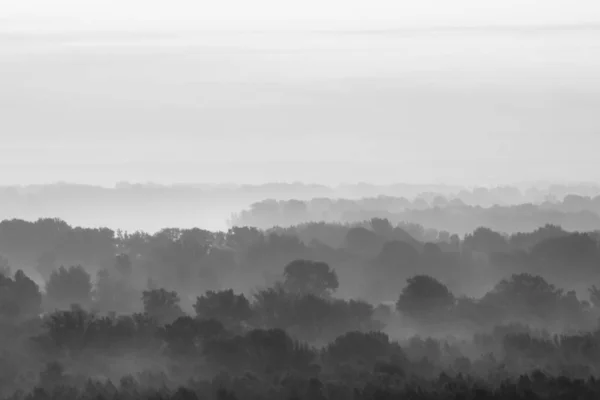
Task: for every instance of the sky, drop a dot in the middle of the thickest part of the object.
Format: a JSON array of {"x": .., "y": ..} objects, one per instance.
[
  {"x": 152, "y": 95},
  {"x": 282, "y": 13}
]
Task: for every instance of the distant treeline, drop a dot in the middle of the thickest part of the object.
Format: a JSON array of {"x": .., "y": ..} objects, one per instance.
[
  {"x": 126, "y": 206},
  {"x": 574, "y": 213}
]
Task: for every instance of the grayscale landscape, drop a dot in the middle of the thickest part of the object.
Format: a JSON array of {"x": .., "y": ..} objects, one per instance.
[{"x": 322, "y": 200}]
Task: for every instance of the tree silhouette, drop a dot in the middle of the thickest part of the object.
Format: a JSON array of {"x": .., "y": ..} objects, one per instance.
[
  {"x": 162, "y": 305},
  {"x": 20, "y": 297},
  {"x": 68, "y": 286},
  {"x": 224, "y": 306},
  {"x": 310, "y": 277},
  {"x": 27, "y": 294},
  {"x": 424, "y": 298},
  {"x": 486, "y": 240},
  {"x": 382, "y": 227},
  {"x": 525, "y": 296},
  {"x": 358, "y": 347}
]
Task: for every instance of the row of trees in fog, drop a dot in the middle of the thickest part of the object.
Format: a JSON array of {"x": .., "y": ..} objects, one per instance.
[
  {"x": 10, "y": 196},
  {"x": 305, "y": 300},
  {"x": 373, "y": 259},
  {"x": 126, "y": 206},
  {"x": 574, "y": 212}
]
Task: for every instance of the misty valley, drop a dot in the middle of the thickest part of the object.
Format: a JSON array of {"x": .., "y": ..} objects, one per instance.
[
  {"x": 288, "y": 304},
  {"x": 314, "y": 200}
]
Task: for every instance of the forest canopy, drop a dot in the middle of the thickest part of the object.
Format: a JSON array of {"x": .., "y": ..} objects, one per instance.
[{"x": 374, "y": 309}]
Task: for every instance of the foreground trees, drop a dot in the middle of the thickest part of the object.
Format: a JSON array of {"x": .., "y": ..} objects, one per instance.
[
  {"x": 289, "y": 335},
  {"x": 299, "y": 335}
]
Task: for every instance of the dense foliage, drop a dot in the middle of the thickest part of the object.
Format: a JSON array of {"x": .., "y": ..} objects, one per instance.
[{"x": 323, "y": 311}]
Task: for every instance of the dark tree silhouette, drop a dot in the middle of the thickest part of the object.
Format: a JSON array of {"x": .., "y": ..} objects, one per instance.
[
  {"x": 360, "y": 347},
  {"x": 274, "y": 307},
  {"x": 310, "y": 277},
  {"x": 224, "y": 306},
  {"x": 20, "y": 297},
  {"x": 162, "y": 305},
  {"x": 525, "y": 296},
  {"x": 485, "y": 240},
  {"x": 27, "y": 294},
  {"x": 68, "y": 286},
  {"x": 383, "y": 228},
  {"x": 425, "y": 298},
  {"x": 242, "y": 238}
]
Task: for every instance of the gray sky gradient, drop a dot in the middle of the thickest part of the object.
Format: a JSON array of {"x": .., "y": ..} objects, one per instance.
[
  {"x": 94, "y": 14},
  {"x": 466, "y": 106}
]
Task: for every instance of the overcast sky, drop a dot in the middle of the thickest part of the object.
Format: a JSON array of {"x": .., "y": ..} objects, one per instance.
[
  {"x": 428, "y": 12},
  {"x": 472, "y": 107},
  {"x": 282, "y": 12}
]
